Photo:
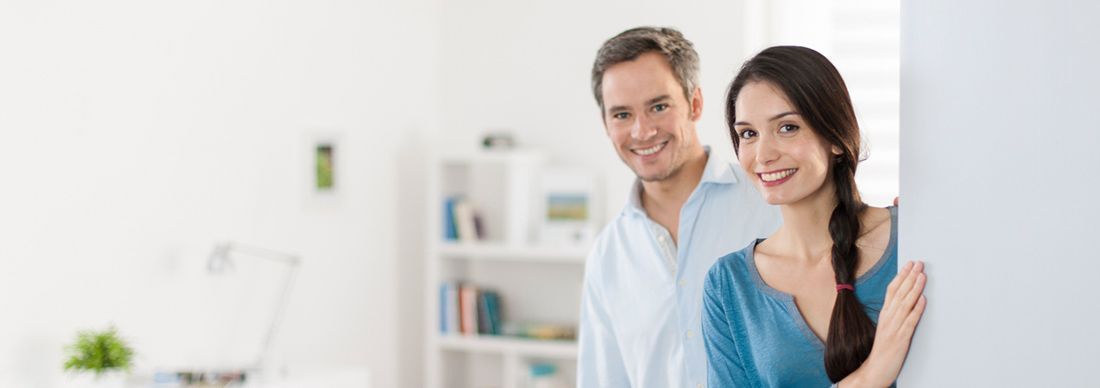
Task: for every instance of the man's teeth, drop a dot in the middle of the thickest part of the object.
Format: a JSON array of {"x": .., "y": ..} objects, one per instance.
[
  {"x": 650, "y": 150},
  {"x": 772, "y": 177}
]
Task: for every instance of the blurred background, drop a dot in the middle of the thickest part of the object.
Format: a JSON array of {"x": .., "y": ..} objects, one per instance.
[{"x": 135, "y": 136}]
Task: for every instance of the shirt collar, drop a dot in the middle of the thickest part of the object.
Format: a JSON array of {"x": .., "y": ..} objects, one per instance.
[{"x": 718, "y": 171}]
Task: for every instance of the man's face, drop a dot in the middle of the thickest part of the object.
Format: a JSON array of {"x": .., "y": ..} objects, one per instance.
[{"x": 647, "y": 117}]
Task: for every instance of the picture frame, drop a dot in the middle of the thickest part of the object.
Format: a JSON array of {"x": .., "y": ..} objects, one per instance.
[
  {"x": 321, "y": 164},
  {"x": 569, "y": 207}
]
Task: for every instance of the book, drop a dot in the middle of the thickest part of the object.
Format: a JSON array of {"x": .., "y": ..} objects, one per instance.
[
  {"x": 448, "y": 306},
  {"x": 443, "y": 308},
  {"x": 450, "y": 230},
  {"x": 465, "y": 221},
  {"x": 489, "y": 313},
  {"x": 468, "y": 309}
]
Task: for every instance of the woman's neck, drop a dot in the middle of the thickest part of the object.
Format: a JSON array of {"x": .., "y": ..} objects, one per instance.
[{"x": 805, "y": 231}]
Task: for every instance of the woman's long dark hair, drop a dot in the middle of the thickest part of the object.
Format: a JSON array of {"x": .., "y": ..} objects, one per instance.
[{"x": 818, "y": 93}]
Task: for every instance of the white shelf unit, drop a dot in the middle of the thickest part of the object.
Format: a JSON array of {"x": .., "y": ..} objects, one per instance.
[
  {"x": 504, "y": 252},
  {"x": 536, "y": 283}
]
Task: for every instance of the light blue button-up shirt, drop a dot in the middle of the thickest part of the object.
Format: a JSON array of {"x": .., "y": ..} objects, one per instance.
[{"x": 642, "y": 302}]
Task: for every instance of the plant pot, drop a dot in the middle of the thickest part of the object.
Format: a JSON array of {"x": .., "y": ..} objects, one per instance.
[{"x": 90, "y": 380}]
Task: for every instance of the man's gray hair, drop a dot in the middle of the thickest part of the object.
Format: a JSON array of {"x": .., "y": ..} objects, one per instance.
[{"x": 630, "y": 44}]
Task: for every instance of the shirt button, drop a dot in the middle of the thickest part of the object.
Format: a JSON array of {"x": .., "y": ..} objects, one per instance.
[
  {"x": 690, "y": 333},
  {"x": 700, "y": 385},
  {"x": 683, "y": 282}
]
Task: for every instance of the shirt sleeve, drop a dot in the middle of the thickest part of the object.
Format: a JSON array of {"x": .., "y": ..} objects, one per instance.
[
  {"x": 600, "y": 362},
  {"x": 724, "y": 366}
]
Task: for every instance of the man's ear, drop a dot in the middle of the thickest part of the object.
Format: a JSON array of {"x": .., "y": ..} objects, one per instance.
[{"x": 697, "y": 104}]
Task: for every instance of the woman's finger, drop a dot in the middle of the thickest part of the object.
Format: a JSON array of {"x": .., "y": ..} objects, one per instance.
[
  {"x": 893, "y": 286},
  {"x": 911, "y": 321},
  {"x": 917, "y": 289},
  {"x": 906, "y": 282}
]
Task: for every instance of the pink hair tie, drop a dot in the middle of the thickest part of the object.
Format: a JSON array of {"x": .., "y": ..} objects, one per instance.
[{"x": 845, "y": 286}]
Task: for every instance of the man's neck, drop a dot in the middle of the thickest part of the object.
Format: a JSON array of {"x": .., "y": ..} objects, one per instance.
[{"x": 663, "y": 199}]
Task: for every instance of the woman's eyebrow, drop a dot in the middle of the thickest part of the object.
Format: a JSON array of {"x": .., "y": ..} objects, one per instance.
[{"x": 776, "y": 117}]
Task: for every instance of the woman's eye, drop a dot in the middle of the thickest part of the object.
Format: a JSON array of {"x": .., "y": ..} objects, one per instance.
[
  {"x": 787, "y": 128},
  {"x": 747, "y": 134},
  {"x": 660, "y": 107}
]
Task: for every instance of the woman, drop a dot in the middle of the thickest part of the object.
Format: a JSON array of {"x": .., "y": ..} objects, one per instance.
[{"x": 800, "y": 307}]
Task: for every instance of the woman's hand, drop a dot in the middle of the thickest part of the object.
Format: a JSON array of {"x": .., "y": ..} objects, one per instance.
[{"x": 901, "y": 311}]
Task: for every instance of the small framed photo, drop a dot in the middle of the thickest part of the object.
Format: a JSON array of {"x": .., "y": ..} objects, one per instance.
[
  {"x": 322, "y": 163},
  {"x": 569, "y": 205},
  {"x": 324, "y": 178}
]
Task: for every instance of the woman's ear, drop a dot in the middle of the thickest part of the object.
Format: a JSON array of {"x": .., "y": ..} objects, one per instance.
[{"x": 836, "y": 151}]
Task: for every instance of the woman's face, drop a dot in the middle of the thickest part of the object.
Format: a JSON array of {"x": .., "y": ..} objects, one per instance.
[{"x": 782, "y": 155}]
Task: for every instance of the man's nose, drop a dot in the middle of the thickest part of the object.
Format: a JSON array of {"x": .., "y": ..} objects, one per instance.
[{"x": 643, "y": 129}]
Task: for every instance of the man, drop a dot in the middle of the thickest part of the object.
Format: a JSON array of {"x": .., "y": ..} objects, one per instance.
[{"x": 642, "y": 302}]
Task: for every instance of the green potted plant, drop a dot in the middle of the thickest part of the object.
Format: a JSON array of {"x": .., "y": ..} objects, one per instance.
[{"x": 102, "y": 354}]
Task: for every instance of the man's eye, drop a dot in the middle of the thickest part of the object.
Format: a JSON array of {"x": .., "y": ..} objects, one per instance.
[
  {"x": 746, "y": 134},
  {"x": 660, "y": 107},
  {"x": 620, "y": 115},
  {"x": 787, "y": 128}
]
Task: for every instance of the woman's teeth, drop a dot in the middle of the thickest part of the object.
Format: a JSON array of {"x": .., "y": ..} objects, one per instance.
[{"x": 774, "y": 176}]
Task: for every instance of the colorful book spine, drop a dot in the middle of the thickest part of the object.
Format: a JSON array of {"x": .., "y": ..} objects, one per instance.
[
  {"x": 450, "y": 231},
  {"x": 468, "y": 308},
  {"x": 489, "y": 313},
  {"x": 448, "y": 308},
  {"x": 443, "y": 305},
  {"x": 461, "y": 220},
  {"x": 465, "y": 222},
  {"x": 465, "y": 309}
]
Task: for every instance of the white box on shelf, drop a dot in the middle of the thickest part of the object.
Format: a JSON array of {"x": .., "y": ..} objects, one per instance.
[{"x": 569, "y": 207}]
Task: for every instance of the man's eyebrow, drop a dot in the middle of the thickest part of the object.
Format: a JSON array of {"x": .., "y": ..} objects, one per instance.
[
  {"x": 617, "y": 108},
  {"x": 657, "y": 99},
  {"x": 776, "y": 117},
  {"x": 654, "y": 100}
]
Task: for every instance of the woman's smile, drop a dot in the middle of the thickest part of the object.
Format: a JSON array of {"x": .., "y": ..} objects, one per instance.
[{"x": 776, "y": 178}]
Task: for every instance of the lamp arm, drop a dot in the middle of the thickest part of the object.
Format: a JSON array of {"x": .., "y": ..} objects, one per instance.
[
  {"x": 292, "y": 261},
  {"x": 263, "y": 253},
  {"x": 277, "y": 318}
]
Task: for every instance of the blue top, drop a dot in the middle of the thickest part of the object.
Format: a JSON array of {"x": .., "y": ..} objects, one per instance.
[
  {"x": 642, "y": 304},
  {"x": 756, "y": 337}
]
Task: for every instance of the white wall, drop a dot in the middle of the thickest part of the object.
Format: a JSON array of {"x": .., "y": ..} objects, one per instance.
[
  {"x": 999, "y": 152},
  {"x": 134, "y": 134}
]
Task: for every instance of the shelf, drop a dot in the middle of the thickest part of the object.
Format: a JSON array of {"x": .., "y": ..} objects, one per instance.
[
  {"x": 497, "y": 251},
  {"x": 561, "y": 349},
  {"x": 492, "y": 157}
]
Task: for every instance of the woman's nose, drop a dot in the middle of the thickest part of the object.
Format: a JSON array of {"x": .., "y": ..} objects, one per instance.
[{"x": 766, "y": 150}]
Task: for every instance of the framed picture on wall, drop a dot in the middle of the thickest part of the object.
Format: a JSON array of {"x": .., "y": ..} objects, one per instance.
[
  {"x": 322, "y": 168},
  {"x": 569, "y": 207},
  {"x": 324, "y": 177}
]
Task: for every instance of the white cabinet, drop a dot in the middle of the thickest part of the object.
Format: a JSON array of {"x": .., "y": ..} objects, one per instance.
[{"x": 536, "y": 283}]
